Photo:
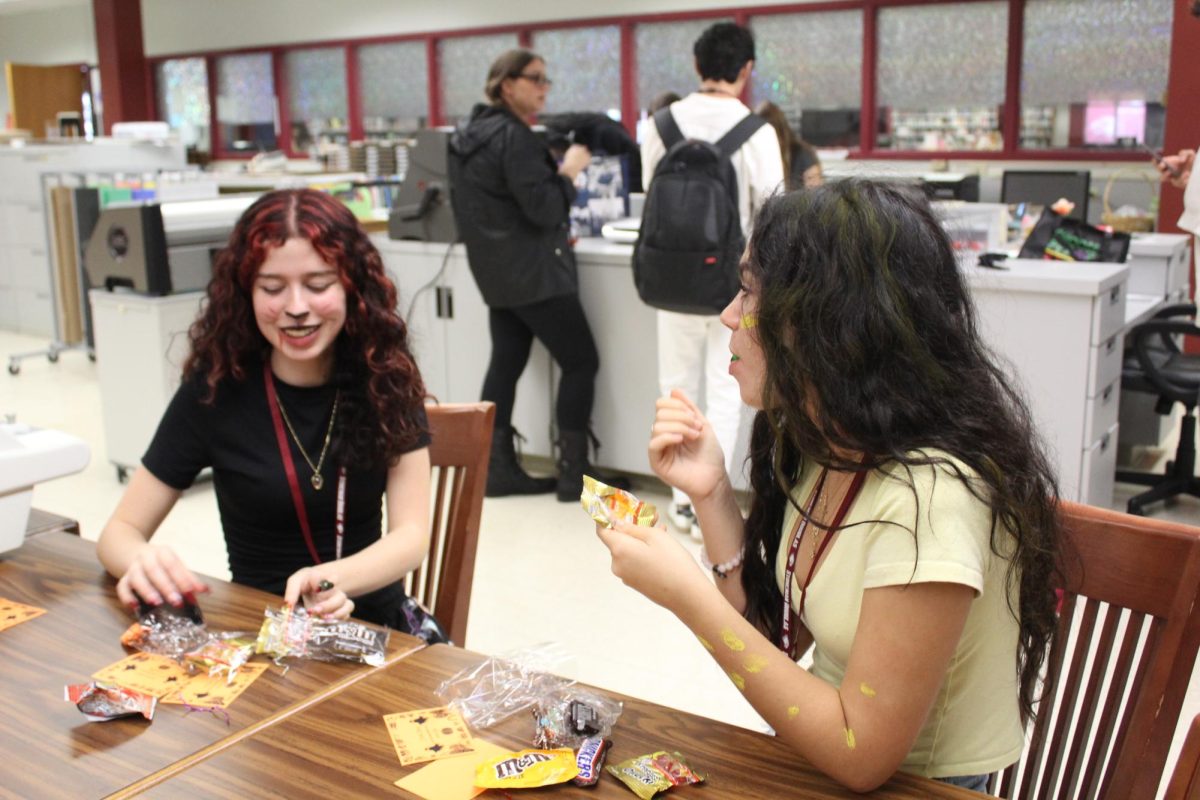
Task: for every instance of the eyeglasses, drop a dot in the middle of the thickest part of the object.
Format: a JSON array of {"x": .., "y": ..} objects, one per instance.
[{"x": 537, "y": 79}]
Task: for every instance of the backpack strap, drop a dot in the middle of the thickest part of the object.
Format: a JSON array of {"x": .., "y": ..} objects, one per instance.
[
  {"x": 668, "y": 131},
  {"x": 731, "y": 142}
]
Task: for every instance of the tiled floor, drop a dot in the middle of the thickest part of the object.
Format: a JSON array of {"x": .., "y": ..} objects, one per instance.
[{"x": 541, "y": 574}]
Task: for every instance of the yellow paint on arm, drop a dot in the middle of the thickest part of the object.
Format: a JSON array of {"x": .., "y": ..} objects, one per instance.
[
  {"x": 732, "y": 641},
  {"x": 850, "y": 739},
  {"x": 867, "y": 690},
  {"x": 755, "y": 664},
  {"x": 704, "y": 642},
  {"x": 793, "y": 712},
  {"x": 738, "y": 680}
]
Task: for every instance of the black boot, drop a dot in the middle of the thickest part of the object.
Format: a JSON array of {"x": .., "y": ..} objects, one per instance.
[
  {"x": 573, "y": 464},
  {"x": 505, "y": 475}
]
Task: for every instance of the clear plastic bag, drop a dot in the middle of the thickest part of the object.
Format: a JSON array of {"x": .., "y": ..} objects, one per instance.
[
  {"x": 292, "y": 632},
  {"x": 568, "y": 716},
  {"x": 504, "y": 685}
]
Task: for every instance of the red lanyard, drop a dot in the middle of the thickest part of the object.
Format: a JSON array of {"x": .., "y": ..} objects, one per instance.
[
  {"x": 289, "y": 467},
  {"x": 798, "y": 531}
]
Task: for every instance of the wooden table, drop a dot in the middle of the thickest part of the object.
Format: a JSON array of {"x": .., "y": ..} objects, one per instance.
[
  {"x": 340, "y": 749},
  {"x": 44, "y": 522},
  {"x": 49, "y": 748}
]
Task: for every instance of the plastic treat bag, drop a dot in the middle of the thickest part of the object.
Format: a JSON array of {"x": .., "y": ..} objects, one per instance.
[
  {"x": 167, "y": 630},
  {"x": 100, "y": 702},
  {"x": 568, "y": 716},
  {"x": 501, "y": 686},
  {"x": 292, "y": 632},
  {"x": 223, "y": 654},
  {"x": 607, "y": 505}
]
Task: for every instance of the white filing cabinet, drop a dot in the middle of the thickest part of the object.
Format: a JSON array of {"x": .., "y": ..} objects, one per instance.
[
  {"x": 26, "y": 291},
  {"x": 1059, "y": 328},
  {"x": 1160, "y": 264},
  {"x": 141, "y": 344}
]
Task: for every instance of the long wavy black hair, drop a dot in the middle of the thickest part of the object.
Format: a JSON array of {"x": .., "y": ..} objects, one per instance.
[{"x": 864, "y": 316}]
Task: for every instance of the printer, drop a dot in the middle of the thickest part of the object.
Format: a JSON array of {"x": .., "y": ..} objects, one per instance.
[
  {"x": 160, "y": 248},
  {"x": 29, "y": 456}
]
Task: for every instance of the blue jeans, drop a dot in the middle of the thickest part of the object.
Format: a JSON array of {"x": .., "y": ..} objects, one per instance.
[{"x": 978, "y": 783}]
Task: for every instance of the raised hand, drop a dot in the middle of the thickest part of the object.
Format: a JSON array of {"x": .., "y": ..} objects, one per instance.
[{"x": 683, "y": 448}]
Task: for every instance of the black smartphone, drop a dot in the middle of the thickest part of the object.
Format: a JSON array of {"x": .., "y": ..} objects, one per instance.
[{"x": 1157, "y": 157}]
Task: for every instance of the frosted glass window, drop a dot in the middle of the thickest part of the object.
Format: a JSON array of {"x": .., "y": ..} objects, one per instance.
[
  {"x": 246, "y": 102},
  {"x": 664, "y": 58},
  {"x": 1094, "y": 72},
  {"x": 464, "y": 63},
  {"x": 395, "y": 88},
  {"x": 316, "y": 88},
  {"x": 182, "y": 89},
  {"x": 585, "y": 64},
  {"x": 941, "y": 76},
  {"x": 810, "y": 65}
]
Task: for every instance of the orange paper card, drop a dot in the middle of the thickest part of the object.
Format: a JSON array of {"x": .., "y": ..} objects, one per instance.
[
  {"x": 14, "y": 613},
  {"x": 144, "y": 672},
  {"x": 428, "y": 734},
  {"x": 209, "y": 691},
  {"x": 452, "y": 778}
]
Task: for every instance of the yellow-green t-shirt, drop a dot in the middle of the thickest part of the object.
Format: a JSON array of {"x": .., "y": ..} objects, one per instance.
[{"x": 974, "y": 726}]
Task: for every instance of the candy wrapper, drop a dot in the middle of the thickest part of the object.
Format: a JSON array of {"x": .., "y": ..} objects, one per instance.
[
  {"x": 291, "y": 632},
  {"x": 590, "y": 759},
  {"x": 527, "y": 769},
  {"x": 568, "y": 715},
  {"x": 167, "y": 630},
  {"x": 501, "y": 686},
  {"x": 101, "y": 702},
  {"x": 650, "y": 774},
  {"x": 223, "y": 654},
  {"x": 607, "y": 505}
]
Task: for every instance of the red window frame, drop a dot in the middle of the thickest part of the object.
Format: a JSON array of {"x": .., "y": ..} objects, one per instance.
[{"x": 1009, "y": 124}]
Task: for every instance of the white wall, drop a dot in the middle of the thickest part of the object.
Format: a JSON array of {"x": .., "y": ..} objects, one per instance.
[
  {"x": 62, "y": 35},
  {"x": 178, "y": 26}
]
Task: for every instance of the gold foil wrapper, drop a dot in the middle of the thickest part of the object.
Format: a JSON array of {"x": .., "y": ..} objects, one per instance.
[{"x": 608, "y": 505}]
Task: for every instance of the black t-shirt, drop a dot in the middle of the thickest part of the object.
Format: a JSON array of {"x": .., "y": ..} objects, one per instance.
[{"x": 235, "y": 436}]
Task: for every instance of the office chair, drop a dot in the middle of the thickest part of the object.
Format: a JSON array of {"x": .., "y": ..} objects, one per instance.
[
  {"x": 461, "y": 440},
  {"x": 1043, "y": 187},
  {"x": 1117, "y": 676},
  {"x": 1157, "y": 366}
]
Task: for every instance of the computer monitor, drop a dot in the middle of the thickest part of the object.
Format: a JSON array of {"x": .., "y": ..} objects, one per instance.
[{"x": 1044, "y": 187}]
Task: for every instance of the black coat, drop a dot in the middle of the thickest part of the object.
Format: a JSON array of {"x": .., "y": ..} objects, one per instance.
[{"x": 512, "y": 209}]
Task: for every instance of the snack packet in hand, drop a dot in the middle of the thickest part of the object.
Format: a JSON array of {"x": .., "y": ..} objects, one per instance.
[{"x": 607, "y": 505}]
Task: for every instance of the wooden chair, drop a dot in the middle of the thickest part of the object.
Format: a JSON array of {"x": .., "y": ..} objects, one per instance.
[
  {"x": 1185, "y": 779},
  {"x": 461, "y": 436},
  {"x": 1128, "y": 634}
]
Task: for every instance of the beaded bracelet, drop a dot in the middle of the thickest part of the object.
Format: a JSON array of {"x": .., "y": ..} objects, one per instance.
[{"x": 723, "y": 569}]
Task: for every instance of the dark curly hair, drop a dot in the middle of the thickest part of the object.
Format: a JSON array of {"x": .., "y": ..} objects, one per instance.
[
  {"x": 863, "y": 314},
  {"x": 382, "y": 393}
]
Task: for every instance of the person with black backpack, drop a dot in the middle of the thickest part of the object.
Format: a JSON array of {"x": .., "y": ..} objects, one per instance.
[{"x": 709, "y": 164}]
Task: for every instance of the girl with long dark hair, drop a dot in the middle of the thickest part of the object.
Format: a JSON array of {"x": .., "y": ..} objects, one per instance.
[
  {"x": 302, "y": 396},
  {"x": 902, "y": 518}
]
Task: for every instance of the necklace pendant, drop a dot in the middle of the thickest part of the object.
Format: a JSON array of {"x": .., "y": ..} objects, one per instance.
[{"x": 317, "y": 481}]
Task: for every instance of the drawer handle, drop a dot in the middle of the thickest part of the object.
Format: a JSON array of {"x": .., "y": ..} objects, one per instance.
[
  {"x": 1114, "y": 295},
  {"x": 1110, "y": 345},
  {"x": 1104, "y": 442},
  {"x": 1107, "y": 394}
]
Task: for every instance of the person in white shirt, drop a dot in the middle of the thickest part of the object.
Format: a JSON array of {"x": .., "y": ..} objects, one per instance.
[
  {"x": 1177, "y": 170},
  {"x": 694, "y": 349}
]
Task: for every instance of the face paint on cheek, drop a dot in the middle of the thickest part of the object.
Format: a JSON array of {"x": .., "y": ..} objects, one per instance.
[
  {"x": 738, "y": 681},
  {"x": 754, "y": 664},
  {"x": 732, "y": 641},
  {"x": 706, "y": 645},
  {"x": 867, "y": 690},
  {"x": 734, "y": 358},
  {"x": 748, "y": 321}
]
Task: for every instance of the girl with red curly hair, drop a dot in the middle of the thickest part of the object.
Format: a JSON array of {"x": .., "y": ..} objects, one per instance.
[{"x": 301, "y": 395}]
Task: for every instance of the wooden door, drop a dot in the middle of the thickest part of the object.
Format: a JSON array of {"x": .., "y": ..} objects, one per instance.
[{"x": 36, "y": 95}]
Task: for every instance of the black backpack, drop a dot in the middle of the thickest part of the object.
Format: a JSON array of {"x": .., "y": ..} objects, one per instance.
[{"x": 691, "y": 239}]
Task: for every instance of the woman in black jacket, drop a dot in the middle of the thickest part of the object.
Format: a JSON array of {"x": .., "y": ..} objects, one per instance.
[{"x": 512, "y": 205}]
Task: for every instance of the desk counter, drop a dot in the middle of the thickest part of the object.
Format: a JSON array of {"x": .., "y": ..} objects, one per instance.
[
  {"x": 340, "y": 748},
  {"x": 50, "y": 749}
]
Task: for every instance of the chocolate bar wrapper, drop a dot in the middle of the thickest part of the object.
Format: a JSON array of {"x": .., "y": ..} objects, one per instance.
[{"x": 101, "y": 702}]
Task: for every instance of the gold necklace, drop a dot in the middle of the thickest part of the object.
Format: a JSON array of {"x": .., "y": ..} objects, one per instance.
[
  {"x": 823, "y": 501},
  {"x": 317, "y": 480}
]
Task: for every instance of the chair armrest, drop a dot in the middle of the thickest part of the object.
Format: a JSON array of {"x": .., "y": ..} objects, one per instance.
[
  {"x": 1164, "y": 329},
  {"x": 1176, "y": 310}
]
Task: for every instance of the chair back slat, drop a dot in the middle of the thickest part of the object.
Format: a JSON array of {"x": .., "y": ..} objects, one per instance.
[
  {"x": 1128, "y": 635},
  {"x": 461, "y": 440}
]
